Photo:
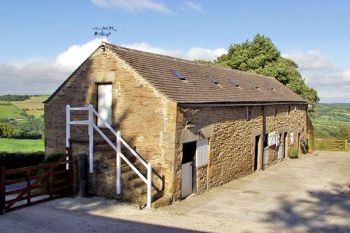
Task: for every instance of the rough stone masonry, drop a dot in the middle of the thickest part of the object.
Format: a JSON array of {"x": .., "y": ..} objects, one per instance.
[{"x": 157, "y": 125}]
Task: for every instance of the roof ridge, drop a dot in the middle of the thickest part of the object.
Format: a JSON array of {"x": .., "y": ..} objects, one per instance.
[{"x": 186, "y": 61}]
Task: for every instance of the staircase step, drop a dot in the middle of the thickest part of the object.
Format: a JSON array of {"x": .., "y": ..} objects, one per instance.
[{"x": 129, "y": 175}]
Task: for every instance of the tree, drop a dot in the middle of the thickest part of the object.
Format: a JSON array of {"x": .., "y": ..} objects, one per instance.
[
  {"x": 261, "y": 56},
  {"x": 344, "y": 132}
]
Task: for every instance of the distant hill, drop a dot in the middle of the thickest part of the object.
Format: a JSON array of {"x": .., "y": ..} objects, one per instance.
[
  {"x": 17, "y": 106},
  {"x": 330, "y": 117}
]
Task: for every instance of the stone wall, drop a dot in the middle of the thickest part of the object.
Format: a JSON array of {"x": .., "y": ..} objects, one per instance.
[
  {"x": 157, "y": 127},
  {"x": 145, "y": 117},
  {"x": 232, "y": 138}
]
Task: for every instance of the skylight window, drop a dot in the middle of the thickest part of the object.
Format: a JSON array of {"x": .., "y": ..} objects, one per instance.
[
  {"x": 255, "y": 85},
  {"x": 178, "y": 75},
  {"x": 213, "y": 80},
  {"x": 234, "y": 82}
]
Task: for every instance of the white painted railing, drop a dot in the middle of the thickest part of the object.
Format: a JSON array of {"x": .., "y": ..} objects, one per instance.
[{"x": 117, "y": 148}]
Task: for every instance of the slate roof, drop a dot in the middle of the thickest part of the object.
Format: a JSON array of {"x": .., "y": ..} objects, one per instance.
[{"x": 198, "y": 87}]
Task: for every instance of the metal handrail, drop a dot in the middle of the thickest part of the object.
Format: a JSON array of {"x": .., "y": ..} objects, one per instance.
[{"x": 117, "y": 148}]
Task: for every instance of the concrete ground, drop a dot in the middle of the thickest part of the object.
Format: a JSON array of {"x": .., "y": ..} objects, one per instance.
[{"x": 309, "y": 194}]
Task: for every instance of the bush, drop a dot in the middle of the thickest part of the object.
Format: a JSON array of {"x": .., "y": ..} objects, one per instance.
[
  {"x": 14, "y": 97},
  {"x": 17, "y": 160},
  {"x": 32, "y": 128},
  {"x": 293, "y": 152},
  {"x": 6, "y": 130},
  {"x": 27, "y": 135},
  {"x": 53, "y": 157}
]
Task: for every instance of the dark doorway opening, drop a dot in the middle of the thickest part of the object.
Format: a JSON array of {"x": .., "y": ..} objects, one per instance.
[
  {"x": 286, "y": 144},
  {"x": 256, "y": 152},
  {"x": 188, "y": 152},
  {"x": 188, "y": 181}
]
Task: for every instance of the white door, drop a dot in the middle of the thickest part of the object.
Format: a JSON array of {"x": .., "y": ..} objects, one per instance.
[
  {"x": 202, "y": 153},
  {"x": 186, "y": 183},
  {"x": 104, "y": 104}
]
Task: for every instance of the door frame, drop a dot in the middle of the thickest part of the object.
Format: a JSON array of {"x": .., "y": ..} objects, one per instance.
[
  {"x": 195, "y": 164},
  {"x": 193, "y": 173}
]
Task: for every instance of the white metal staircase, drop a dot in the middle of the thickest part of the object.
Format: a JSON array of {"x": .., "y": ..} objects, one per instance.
[{"x": 116, "y": 147}]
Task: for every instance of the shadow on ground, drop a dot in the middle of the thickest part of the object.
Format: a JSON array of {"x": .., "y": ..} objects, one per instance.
[
  {"x": 54, "y": 220},
  {"x": 321, "y": 211}
]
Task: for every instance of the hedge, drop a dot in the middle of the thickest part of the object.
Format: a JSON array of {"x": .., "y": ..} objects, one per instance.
[{"x": 17, "y": 159}]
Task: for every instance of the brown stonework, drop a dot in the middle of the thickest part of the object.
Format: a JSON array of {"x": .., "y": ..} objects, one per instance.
[
  {"x": 232, "y": 143},
  {"x": 157, "y": 126},
  {"x": 145, "y": 118}
]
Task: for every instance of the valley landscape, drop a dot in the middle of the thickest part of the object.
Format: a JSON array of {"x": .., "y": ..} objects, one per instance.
[{"x": 25, "y": 117}]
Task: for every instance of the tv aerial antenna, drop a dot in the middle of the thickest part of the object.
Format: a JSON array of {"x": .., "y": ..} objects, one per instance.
[{"x": 104, "y": 32}]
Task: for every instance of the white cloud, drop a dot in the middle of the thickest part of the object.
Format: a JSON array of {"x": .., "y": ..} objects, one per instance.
[
  {"x": 331, "y": 81},
  {"x": 196, "y": 6},
  {"x": 133, "y": 5},
  {"x": 44, "y": 76},
  {"x": 76, "y": 54},
  {"x": 32, "y": 77},
  {"x": 191, "y": 54}
]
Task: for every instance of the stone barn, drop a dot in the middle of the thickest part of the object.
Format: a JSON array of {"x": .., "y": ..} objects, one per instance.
[{"x": 185, "y": 127}]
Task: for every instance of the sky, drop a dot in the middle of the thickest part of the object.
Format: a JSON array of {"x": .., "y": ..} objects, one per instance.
[{"x": 42, "y": 42}]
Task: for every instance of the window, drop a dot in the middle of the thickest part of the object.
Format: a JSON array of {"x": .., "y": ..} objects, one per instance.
[
  {"x": 213, "y": 80},
  {"x": 288, "y": 110},
  {"x": 248, "y": 114},
  {"x": 234, "y": 82},
  {"x": 275, "y": 111},
  {"x": 178, "y": 75},
  {"x": 255, "y": 85}
]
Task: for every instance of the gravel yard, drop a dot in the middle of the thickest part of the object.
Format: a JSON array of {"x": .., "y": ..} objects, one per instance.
[{"x": 310, "y": 194}]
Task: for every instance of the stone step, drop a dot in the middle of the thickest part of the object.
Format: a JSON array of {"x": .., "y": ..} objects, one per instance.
[{"x": 129, "y": 175}]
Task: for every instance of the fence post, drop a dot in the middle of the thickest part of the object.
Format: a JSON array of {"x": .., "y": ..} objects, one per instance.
[
  {"x": 149, "y": 185},
  {"x": 2, "y": 187},
  {"x": 118, "y": 164},
  {"x": 51, "y": 182},
  {"x": 29, "y": 187},
  {"x": 91, "y": 140}
]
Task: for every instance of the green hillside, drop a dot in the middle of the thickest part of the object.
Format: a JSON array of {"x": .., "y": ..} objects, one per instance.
[
  {"x": 21, "y": 123},
  {"x": 330, "y": 118},
  {"x": 8, "y": 111}
]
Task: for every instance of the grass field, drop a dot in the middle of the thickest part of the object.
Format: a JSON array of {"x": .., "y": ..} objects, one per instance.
[
  {"x": 33, "y": 106},
  {"x": 8, "y": 110},
  {"x": 21, "y": 145}
]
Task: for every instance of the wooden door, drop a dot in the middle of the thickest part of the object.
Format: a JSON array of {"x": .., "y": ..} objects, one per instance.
[
  {"x": 104, "y": 104},
  {"x": 187, "y": 179}
]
